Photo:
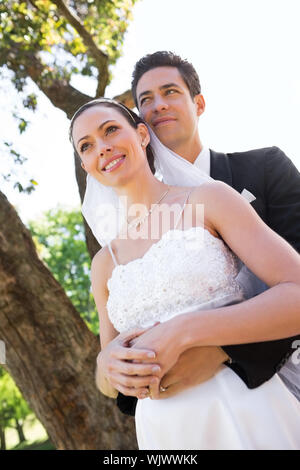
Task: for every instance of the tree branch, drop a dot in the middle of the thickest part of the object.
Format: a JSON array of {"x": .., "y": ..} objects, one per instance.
[
  {"x": 58, "y": 90},
  {"x": 126, "y": 98},
  {"x": 100, "y": 57}
]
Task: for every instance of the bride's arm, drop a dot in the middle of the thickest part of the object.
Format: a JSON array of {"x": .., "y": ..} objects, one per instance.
[
  {"x": 116, "y": 371},
  {"x": 107, "y": 331},
  {"x": 271, "y": 315}
]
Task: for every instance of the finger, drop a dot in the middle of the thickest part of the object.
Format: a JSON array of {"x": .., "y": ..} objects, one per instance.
[
  {"x": 154, "y": 389},
  {"x": 132, "y": 353},
  {"x": 129, "y": 335},
  {"x": 135, "y": 333},
  {"x": 132, "y": 381},
  {"x": 156, "y": 323},
  {"x": 141, "y": 369},
  {"x": 172, "y": 390},
  {"x": 135, "y": 340},
  {"x": 134, "y": 392},
  {"x": 169, "y": 380}
]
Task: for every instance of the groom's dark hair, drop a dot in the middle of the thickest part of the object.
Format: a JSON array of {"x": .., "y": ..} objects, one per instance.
[{"x": 166, "y": 59}]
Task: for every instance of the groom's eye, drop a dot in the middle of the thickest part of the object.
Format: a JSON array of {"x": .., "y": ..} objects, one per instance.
[
  {"x": 170, "y": 91},
  {"x": 144, "y": 99}
]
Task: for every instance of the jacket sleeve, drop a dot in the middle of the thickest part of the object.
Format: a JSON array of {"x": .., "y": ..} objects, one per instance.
[
  {"x": 282, "y": 183},
  {"x": 257, "y": 362},
  {"x": 126, "y": 404}
]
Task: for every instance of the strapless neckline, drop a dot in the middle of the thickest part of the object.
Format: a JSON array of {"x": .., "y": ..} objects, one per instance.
[
  {"x": 156, "y": 244},
  {"x": 183, "y": 269}
]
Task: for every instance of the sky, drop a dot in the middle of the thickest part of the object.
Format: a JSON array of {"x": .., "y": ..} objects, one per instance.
[{"x": 247, "y": 56}]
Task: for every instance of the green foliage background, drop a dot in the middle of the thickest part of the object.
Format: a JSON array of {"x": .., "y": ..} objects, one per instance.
[
  {"x": 29, "y": 27},
  {"x": 60, "y": 241}
]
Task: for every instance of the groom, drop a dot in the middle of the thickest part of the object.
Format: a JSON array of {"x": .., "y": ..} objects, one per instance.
[{"x": 167, "y": 93}]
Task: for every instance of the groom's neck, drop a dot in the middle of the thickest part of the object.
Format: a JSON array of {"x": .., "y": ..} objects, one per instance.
[{"x": 189, "y": 150}]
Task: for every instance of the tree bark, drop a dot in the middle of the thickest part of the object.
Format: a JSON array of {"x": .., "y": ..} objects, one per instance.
[{"x": 50, "y": 352}]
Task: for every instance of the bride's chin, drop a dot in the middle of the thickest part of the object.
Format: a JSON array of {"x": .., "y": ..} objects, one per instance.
[
  {"x": 99, "y": 177},
  {"x": 110, "y": 182}
]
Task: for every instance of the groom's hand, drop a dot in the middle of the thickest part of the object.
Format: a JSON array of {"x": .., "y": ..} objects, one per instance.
[{"x": 194, "y": 366}]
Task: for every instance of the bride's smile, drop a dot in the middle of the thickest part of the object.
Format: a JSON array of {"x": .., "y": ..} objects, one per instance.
[
  {"x": 105, "y": 141},
  {"x": 112, "y": 147},
  {"x": 112, "y": 163}
]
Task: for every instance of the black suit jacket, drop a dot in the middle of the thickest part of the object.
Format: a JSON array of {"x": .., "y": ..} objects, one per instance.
[{"x": 275, "y": 182}]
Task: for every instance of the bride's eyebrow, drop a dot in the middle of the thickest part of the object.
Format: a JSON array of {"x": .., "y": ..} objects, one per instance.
[{"x": 99, "y": 129}]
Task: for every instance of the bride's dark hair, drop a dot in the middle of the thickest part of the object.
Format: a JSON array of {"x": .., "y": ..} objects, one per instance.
[{"x": 132, "y": 118}]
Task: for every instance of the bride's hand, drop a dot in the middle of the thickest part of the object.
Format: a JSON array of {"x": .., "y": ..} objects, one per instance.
[
  {"x": 164, "y": 339},
  {"x": 128, "y": 370}
]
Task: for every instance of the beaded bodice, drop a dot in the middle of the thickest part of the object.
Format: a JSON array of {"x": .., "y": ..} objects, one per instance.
[{"x": 183, "y": 269}]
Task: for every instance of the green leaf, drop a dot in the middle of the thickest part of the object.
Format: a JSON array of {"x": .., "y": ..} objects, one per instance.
[{"x": 22, "y": 125}]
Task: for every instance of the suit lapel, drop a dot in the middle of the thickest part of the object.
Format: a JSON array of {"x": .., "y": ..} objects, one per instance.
[{"x": 220, "y": 167}]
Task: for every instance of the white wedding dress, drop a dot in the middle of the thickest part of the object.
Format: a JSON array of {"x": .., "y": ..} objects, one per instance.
[{"x": 188, "y": 270}]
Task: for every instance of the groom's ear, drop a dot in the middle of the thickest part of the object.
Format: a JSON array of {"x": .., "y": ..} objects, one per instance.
[
  {"x": 200, "y": 104},
  {"x": 144, "y": 134}
]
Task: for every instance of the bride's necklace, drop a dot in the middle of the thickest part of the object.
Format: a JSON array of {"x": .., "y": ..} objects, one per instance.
[{"x": 138, "y": 222}]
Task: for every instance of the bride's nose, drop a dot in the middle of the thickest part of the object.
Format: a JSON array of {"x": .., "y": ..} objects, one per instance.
[{"x": 104, "y": 150}]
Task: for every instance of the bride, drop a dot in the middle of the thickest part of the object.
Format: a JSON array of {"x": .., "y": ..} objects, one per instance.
[{"x": 173, "y": 269}]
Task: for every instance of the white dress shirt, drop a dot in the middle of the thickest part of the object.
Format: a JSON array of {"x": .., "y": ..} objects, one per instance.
[{"x": 203, "y": 160}]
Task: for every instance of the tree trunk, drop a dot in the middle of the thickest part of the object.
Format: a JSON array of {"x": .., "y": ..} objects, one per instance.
[
  {"x": 20, "y": 432},
  {"x": 50, "y": 352},
  {"x": 2, "y": 438}
]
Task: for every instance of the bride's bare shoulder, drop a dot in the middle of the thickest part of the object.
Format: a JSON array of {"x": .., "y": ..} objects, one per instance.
[
  {"x": 211, "y": 191},
  {"x": 101, "y": 256},
  {"x": 209, "y": 195},
  {"x": 101, "y": 263}
]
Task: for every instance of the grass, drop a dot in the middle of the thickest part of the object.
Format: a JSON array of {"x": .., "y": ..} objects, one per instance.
[{"x": 37, "y": 445}]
